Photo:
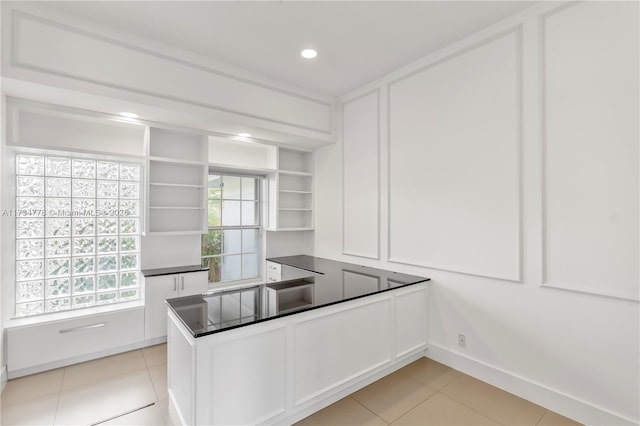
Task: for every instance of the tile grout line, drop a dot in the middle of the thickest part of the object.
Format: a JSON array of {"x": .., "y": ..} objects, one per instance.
[
  {"x": 144, "y": 358},
  {"x": 542, "y": 417},
  {"x": 486, "y": 415},
  {"x": 462, "y": 403},
  {"x": 92, "y": 383},
  {"x": 470, "y": 408},
  {"x": 415, "y": 406},
  {"x": 411, "y": 376},
  {"x": 365, "y": 407},
  {"x": 389, "y": 423},
  {"x": 153, "y": 385},
  {"x": 543, "y": 414},
  {"x": 55, "y": 413}
]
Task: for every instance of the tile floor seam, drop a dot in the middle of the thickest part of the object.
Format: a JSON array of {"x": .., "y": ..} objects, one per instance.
[
  {"x": 452, "y": 381},
  {"x": 144, "y": 357},
  {"x": 486, "y": 415},
  {"x": 366, "y": 408},
  {"x": 416, "y": 406},
  {"x": 55, "y": 414},
  {"x": 542, "y": 417},
  {"x": 155, "y": 392},
  {"x": 435, "y": 392},
  {"x": 543, "y": 414},
  {"x": 471, "y": 408}
]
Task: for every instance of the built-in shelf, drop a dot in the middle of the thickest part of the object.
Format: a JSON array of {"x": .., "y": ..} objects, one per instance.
[
  {"x": 294, "y": 306},
  {"x": 177, "y": 176},
  {"x": 290, "y": 296},
  {"x": 291, "y": 192}
]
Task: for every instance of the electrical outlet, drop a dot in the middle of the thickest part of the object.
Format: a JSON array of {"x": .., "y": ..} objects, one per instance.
[{"x": 462, "y": 340}]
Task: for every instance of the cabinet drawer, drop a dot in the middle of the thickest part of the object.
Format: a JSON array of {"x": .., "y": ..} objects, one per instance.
[
  {"x": 273, "y": 277},
  {"x": 274, "y": 268},
  {"x": 44, "y": 343}
]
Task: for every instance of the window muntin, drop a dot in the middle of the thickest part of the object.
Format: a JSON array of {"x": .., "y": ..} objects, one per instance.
[
  {"x": 77, "y": 233},
  {"x": 231, "y": 248}
]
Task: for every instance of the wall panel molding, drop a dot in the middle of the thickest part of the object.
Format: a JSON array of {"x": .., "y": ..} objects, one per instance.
[
  {"x": 512, "y": 272},
  {"x": 361, "y": 171},
  {"x": 356, "y": 356},
  {"x": 589, "y": 220},
  {"x": 33, "y": 38}
]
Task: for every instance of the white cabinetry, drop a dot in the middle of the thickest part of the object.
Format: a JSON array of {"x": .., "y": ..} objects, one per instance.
[
  {"x": 177, "y": 178},
  {"x": 291, "y": 192},
  {"x": 162, "y": 287},
  {"x": 53, "y": 344},
  {"x": 314, "y": 358}
]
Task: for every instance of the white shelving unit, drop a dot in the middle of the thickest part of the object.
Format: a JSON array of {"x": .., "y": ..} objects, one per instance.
[
  {"x": 291, "y": 191},
  {"x": 177, "y": 183}
]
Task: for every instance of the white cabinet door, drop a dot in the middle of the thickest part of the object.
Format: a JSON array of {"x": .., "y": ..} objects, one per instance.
[
  {"x": 193, "y": 283},
  {"x": 157, "y": 290},
  {"x": 163, "y": 287}
]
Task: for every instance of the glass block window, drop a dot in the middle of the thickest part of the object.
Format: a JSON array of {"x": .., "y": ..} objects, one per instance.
[
  {"x": 77, "y": 233},
  {"x": 231, "y": 248}
]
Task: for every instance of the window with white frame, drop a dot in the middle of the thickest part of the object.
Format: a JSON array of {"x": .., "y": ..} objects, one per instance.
[
  {"x": 231, "y": 248},
  {"x": 77, "y": 233}
]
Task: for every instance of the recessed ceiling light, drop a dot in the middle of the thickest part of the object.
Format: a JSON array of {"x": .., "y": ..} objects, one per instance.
[
  {"x": 129, "y": 114},
  {"x": 309, "y": 53},
  {"x": 244, "y": 135}
]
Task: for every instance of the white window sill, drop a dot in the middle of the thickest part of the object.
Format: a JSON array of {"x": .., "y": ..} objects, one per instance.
[{"x": 77, "y": 313}]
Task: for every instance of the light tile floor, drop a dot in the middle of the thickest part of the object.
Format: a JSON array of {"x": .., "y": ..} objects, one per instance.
[{"x": 106, "y": 390}]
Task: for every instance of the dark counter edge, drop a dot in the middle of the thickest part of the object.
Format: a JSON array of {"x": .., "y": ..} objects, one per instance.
[
  {"x": 233, "y": 327},
  {"x": 283, "y": 260},
  {"x": 173, "y": 270}
]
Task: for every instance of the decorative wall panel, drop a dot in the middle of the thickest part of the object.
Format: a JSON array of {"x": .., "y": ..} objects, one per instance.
[
  {"x": 590, "y": 135},
  {"x": 360, "y": 166},
  {"x": 454, "y": 162}
]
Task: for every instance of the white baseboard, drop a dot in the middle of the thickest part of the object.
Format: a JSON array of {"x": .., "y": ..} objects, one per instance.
[
  {"x": 537, "y": 393},
  {"x": 82, "y": 358},
  {"x": 3, "y": 378}
]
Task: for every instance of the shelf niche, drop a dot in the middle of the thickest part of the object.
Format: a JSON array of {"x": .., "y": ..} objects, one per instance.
[
  {"x": 177, "y": 179},
  {"x": 291, "y": 192}
]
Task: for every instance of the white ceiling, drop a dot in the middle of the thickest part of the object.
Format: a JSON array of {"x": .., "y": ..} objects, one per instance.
[{"x": 357, "y": 41}]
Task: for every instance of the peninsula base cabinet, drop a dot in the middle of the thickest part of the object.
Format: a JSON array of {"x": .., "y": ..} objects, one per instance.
[
  {"x": 282, "y": 370},
  {"x": 162, "y": 287}
]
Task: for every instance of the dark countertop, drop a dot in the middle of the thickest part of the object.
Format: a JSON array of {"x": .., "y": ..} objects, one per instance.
[
  {"x": 173, "y": 270},
  {"x": 329, "y": 282},
  {"x": 308, "y": 263}
]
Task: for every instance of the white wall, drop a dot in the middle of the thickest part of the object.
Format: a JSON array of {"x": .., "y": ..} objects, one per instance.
[
  {"x": 3, "y": 121},
  {"x": 508, "y": 173},
  {"x": 288, "y": 243}
]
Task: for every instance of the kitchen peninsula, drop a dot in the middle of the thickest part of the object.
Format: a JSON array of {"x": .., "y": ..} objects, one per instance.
[{"x": 277, "y": 352}]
